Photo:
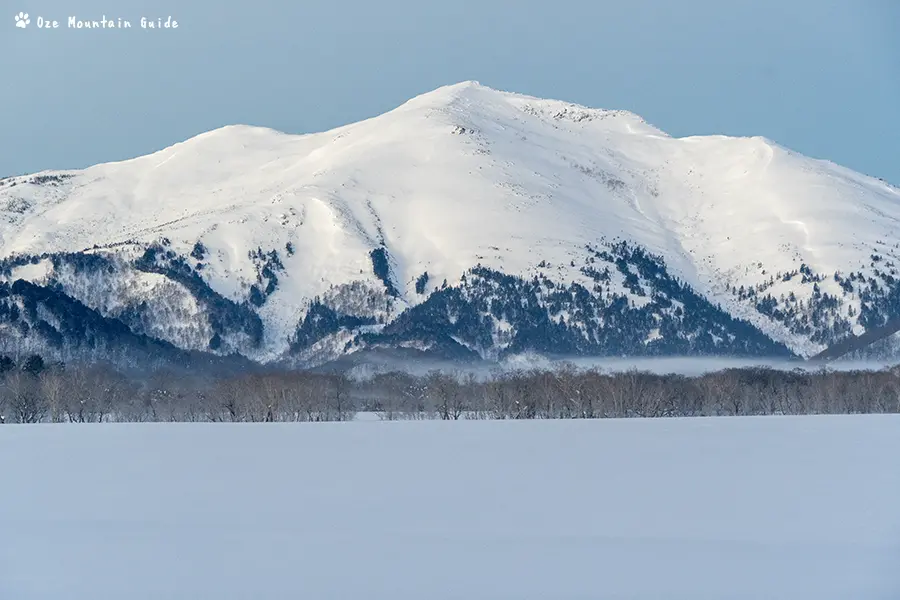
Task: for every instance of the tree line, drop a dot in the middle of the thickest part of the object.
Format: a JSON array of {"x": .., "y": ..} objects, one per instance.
[{"x": 34, "y": 392}]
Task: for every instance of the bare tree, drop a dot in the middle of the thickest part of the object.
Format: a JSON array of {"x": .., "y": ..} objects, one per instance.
[
  {"x": 23, "y": 398},
  {"x": 53, "y": 386},
  {"x": 81, "y": 393},
  {"x": 445, "y": 396}
]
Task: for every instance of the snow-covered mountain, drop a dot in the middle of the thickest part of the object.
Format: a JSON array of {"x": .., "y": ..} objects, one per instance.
[{"x": 467, "y": 221}]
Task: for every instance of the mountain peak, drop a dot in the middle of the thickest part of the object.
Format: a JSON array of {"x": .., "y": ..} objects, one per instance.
[
  {"x": 469, "y": 83},
  {"x": 451, "y": 94}
]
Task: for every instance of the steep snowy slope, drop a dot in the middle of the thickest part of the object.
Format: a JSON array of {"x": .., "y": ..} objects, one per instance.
[{"x": 233, "y": 234}]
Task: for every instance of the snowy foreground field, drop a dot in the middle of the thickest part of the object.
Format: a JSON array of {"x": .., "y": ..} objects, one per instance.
[{"x": 684, "y": 509}]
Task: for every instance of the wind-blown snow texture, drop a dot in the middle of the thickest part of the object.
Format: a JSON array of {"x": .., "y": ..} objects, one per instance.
[
  {"x": 590, "y": 232},
  {"x": 681, "y": 509}
]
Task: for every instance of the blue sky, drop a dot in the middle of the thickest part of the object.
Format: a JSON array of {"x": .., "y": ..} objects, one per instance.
[{"x": 819, "y": 76}]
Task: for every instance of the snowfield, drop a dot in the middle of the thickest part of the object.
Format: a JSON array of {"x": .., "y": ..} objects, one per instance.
[{"x": 680, "y": 509}]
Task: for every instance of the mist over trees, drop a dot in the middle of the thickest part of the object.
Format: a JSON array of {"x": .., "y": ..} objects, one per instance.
[{"x": 32, "y": 391}]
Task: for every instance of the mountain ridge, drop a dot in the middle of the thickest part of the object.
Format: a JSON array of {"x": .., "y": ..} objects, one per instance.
[{"x": 372, "y": 219}]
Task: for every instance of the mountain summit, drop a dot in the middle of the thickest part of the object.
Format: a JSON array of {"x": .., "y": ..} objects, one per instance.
[{"x": 467, "y": 221}]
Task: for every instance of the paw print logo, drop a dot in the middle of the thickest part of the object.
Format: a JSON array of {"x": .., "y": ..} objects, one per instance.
[{"x": 22, "y": 20}]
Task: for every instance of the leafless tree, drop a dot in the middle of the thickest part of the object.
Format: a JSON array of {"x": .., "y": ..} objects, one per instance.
[
  {"x": 92, "y": 393},
  {"x": 23, "y": 398},
  {"x": 54, "y": 387},
  {"x": 445, "y": 394}
]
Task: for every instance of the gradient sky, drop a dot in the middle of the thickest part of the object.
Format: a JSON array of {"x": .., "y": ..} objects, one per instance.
[{"x": 819, "y": 76}]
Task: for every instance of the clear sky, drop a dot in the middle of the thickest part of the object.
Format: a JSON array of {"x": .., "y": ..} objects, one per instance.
[{"x": 819, "y": 76}]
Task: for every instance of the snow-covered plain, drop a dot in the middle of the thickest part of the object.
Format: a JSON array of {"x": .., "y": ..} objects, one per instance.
[{"x": 680, "y": 509}]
